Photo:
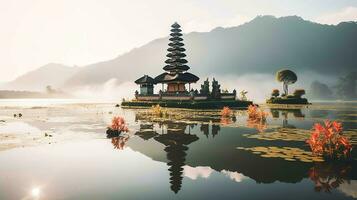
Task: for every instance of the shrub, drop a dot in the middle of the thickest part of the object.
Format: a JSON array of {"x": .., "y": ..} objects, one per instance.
[
  {"x": 158, "y": 111},
  {"x": 275, "y": 93},
  {"x": 256, "y": 114},
  {"x": 226, "y": 112},
  {"x": 327, "y": 140},
  {"x": 118, "y": 124},
  {"x": 299, "y": 92}
]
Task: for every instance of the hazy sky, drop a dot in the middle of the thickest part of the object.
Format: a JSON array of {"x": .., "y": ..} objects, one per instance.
[{"x": 79, "y": 32}]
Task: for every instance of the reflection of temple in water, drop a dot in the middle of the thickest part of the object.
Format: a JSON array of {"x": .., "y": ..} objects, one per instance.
[
  {"x": 176, "y": 141},
  {"x": 177, "y": 136},
  {"x": 205, "y": 129},
  {"x": 146, "y": 131}
]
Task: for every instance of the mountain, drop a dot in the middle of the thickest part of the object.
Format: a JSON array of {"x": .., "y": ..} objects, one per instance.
[
  {"x": 262, "y": 45},
  {"x": 51, "y": 74}
]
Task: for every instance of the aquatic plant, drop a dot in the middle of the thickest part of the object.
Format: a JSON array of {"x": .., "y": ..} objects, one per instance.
[
  {"x": 158, "y": 111},
  {"x": 256, "y": 114},
  {"x": 118, "y": 124},
  {"x": 256, "y": 118},
  {"x": 226, "y": 112},
  {"x": 327, "y": 140}
]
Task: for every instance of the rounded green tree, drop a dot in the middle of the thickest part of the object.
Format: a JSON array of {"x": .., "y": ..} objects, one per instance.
[
  {"x": 287, "y": 77},
  {"x": 275, "y": 93}
]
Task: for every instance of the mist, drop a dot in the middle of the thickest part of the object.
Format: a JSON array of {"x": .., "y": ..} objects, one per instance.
[{"x": 258, "y": 85}]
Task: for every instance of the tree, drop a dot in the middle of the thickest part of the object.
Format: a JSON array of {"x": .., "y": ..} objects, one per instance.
[
  {"x": 216, "y": 89},
  {"x": 299, "y": 92},
  {"x": 275, "y": 93},
  {"x": 287, "y": 77},
  {"x": 205, "y": 88}
]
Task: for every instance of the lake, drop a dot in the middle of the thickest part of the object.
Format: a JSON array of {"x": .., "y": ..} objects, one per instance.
[{"x": 60, "y": 150}]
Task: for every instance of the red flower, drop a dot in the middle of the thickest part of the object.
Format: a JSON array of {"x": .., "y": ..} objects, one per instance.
[{"x": 118, "y": 124}]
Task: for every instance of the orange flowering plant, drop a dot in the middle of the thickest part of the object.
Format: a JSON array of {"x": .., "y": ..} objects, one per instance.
[
  {"x": 118, "y": 124},
  {"x": 226, "y": 112},
  {"x": 256, "y": 118},
  {"x": 256, "y": 114},
  {"x": 327, "y": 140}
]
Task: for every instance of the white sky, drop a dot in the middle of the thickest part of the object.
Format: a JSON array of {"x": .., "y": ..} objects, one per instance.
[{"x": 79, "y": 32}]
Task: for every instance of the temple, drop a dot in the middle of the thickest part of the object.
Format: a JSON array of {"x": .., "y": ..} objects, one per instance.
[
  {"x": 176, "y": 83},
  {"x": 176, "y": 76}
]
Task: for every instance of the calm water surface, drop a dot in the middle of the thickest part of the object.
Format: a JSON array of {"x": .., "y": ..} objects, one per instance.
[{"x": 185, "y": 155}]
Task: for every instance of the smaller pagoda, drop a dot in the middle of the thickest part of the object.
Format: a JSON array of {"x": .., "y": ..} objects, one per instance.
[
  {"x": 146, "y": 85},
  {"x": 176, "y": 75}
]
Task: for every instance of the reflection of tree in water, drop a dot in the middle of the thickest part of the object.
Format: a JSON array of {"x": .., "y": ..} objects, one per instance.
[
  {"x": 285, "y": 113},
  {"x": 215, "y": 129},
  {"x": 176, "y": 141},
  {"x": 328, "y": 176},
  {"x": 205, "y": 129}
]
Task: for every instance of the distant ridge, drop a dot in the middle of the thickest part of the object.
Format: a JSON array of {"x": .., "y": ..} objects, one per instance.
[
  {"x": 52, "y": 74},
  {"x": 262, "y": 45}
]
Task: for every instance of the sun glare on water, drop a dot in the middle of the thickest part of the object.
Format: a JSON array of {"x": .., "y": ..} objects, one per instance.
[{"x": 35, "y": 192}]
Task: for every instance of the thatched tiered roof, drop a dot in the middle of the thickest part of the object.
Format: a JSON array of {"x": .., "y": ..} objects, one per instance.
[{"x": 176, "y": 63}]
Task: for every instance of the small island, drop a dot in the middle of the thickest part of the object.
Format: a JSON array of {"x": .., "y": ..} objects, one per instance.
[
  {"x": 287, "y": 77},
  {"x": 176, "y": 78}
]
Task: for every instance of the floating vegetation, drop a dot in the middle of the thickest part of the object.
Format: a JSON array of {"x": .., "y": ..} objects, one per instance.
[
  {"x": 158, "y": 111},
  {"x": 286, "y": 153},
  {"x": 284, "y": 134}
]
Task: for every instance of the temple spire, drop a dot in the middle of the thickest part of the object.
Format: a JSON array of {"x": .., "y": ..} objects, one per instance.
[{"x": 176, "y": 61}]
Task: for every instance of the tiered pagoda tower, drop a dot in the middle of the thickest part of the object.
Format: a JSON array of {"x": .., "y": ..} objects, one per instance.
[{"x": 176, "y": 75}]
